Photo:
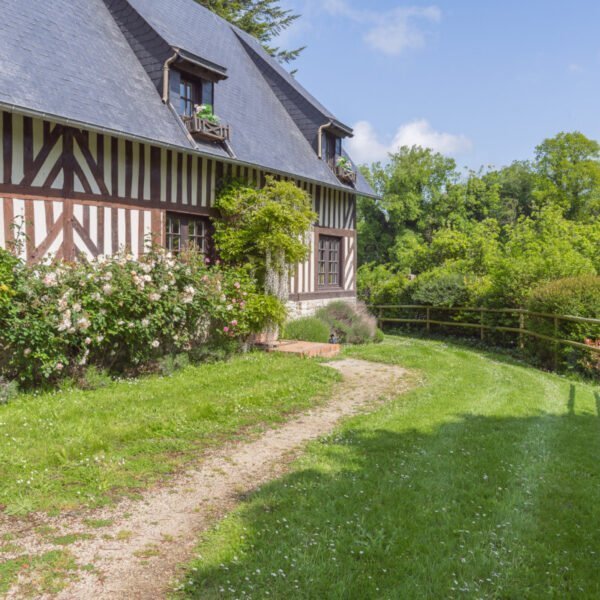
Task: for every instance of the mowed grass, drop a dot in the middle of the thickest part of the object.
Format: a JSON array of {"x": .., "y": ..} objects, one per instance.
[
  {"x": 73, "y": 448},
  {"x": 482, "y": 482}
]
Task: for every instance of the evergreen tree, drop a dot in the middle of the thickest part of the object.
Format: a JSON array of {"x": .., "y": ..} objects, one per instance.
[{"x": 264, "y": 19}]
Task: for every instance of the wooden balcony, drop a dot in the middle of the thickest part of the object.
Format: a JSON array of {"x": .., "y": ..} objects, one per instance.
[
  {"x": 204, "y": 129},
  {"x": 345, "y": 176}
]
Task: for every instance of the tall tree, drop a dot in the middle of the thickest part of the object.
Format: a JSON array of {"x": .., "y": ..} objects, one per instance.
[
  {"x": 264, "y": 19},
  {"x": 569, "y": 169}
]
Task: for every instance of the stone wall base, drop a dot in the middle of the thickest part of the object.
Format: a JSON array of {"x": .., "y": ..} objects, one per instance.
[{"x": 307, "y": 308}]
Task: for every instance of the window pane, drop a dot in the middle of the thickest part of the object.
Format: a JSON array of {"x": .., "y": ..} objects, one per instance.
[
  {"x": 328, "y": 261},
  {"x": 189, "y": 96},
  {"x": 208, "y": 93},
  {"x": 173, "y": 237},
  {"x": 196, "y": 234}
]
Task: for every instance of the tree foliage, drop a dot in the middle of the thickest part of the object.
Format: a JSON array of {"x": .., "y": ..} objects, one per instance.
[
  {"x": 488, "y": 236},
  {"x": 264, "y": 19}
]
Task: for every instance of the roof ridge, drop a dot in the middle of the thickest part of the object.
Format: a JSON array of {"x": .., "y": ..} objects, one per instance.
[{"x": 280, "y": 71}]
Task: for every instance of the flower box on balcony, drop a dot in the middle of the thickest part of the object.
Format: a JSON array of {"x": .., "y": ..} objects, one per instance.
[
  {"x": 204, "y": 128},
  {"x": 345, "y": 175}
]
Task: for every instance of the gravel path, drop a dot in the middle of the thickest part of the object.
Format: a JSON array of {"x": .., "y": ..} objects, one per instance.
[{"x": 136, "y": 556}]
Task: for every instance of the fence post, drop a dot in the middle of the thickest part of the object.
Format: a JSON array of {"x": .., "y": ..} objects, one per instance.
[
  {"x": 379, "y": 317},
  {"x": 481, "y": 331},
  {"x": 556, "y": 343},
  {"x": 428, "y": 323},
  {"x": 521, "y": 327}
]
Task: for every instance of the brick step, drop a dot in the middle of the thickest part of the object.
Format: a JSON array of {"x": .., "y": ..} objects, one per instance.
[{"x": 306, "y": 349}]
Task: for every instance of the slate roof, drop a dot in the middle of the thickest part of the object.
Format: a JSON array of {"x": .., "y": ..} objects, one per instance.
[{"x": 69, "y": 59}]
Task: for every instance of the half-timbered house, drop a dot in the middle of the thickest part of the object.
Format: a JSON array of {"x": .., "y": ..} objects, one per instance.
[{"x": 102, "y": 149}]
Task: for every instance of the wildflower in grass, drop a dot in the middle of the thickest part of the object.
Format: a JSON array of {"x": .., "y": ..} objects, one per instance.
[
  {"x": 155, "y": 344},
  {"x": 154, "y": 297}
]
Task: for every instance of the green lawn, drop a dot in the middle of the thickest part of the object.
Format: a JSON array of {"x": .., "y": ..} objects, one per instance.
[
  {"x": 71, "y": 448},
  {"x": 483, "y": 482}
]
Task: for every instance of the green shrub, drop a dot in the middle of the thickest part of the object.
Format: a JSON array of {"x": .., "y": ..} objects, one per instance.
[
  {"x": 573, "y": 296},
  {"x": 122, "y": 313},
  {"x": 263, "y": 310},
  {"x": 441, "y": 287},
  {"x": 8, "y": 265},
  {"x": 377, "y": 284},
  {"x": 351, "y": 323},
  {"x": 307, "y": 329}
]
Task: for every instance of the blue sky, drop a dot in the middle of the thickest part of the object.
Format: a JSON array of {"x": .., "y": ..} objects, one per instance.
[{"x": 484, "y": 81}]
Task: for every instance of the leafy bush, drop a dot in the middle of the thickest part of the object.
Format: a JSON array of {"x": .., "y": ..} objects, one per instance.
[
  {"x": 263, "y": 310},
  {"x": 351, "y": 323},
  {"x": 122, "y": 313},
  {"x": 441, "y": 287},
  {"x": 307, "y": 329},
  {"x": 574, "y": 296},
  {"x": 592, "y": 363},
  {"x": 378, "y": 284},
  {"x": 8, "y": 265}
]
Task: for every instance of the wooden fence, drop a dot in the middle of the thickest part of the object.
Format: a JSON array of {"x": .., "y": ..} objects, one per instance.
[{"x": 484, "y": 325}]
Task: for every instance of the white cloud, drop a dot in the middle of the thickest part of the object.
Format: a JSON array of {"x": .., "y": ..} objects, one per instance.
[
  {"x": 392, "y": 31},
  {"x": 367, "y": 147}
]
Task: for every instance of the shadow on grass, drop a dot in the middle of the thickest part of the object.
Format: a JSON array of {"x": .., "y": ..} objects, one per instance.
[{"x": 479, "y": 507}]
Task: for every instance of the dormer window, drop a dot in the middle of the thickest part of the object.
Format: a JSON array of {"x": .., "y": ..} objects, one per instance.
[
  {"x": 196, "y": 106},
  {"x": 332, "y": 148},
  {"x": 193, "y": 92}
]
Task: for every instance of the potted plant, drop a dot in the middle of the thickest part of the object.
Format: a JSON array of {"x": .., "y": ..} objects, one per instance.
[
  {"x": 205, "y": 111},
  {"x": 345, "y": 165}
]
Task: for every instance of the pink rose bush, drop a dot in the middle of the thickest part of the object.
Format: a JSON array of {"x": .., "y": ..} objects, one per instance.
[{"x": 121, "y": 313}]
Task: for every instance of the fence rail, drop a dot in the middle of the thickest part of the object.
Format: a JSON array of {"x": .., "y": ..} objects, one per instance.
[{"x": 482, "y": 326}]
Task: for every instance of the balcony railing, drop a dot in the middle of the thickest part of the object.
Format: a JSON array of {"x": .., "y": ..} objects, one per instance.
[{"x": 205, "y": 129}]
